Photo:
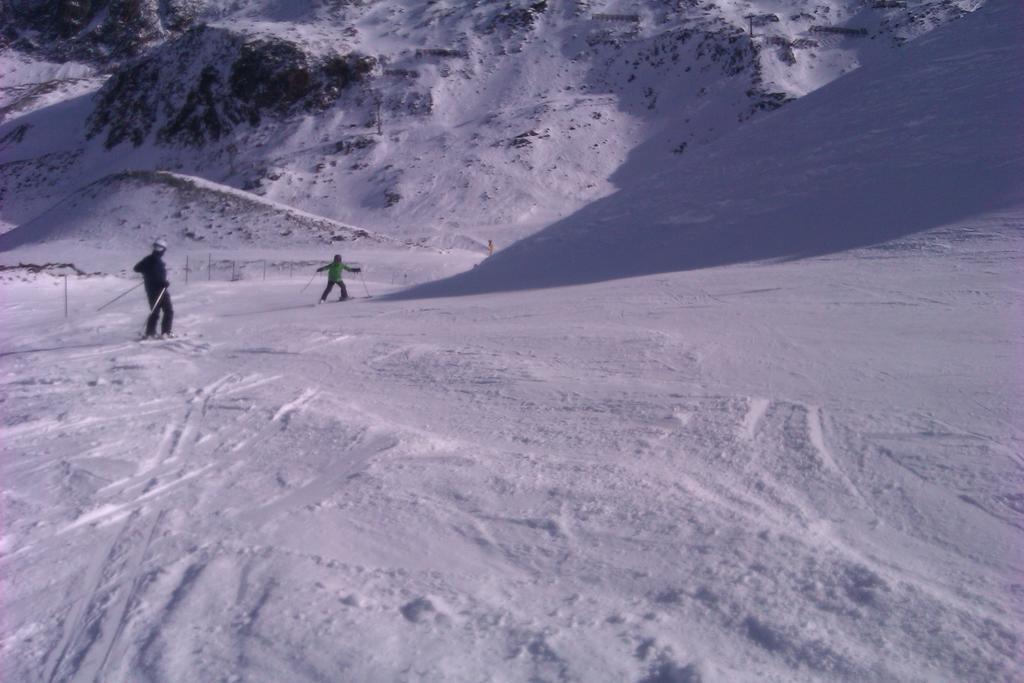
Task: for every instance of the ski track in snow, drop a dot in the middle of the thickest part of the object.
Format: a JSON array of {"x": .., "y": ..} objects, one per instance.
[
  {"x": 602, "y": 483},
  {"x": 283, "y": 412},
  {"x": 758, "y": 408}
]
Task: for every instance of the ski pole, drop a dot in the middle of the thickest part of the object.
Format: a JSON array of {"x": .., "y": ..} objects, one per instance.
[
  {"x": 308, "y": 283},
  {"x": 361, "y": 279},
  {"x": 119, "y": 296},
  {"x": 157, "y": 302}
]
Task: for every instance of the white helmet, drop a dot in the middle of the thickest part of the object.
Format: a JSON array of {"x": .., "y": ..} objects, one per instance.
[{"x": 160, "y": 245}]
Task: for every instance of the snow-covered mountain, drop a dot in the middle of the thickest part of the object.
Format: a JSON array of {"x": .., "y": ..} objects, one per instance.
[
  {"x": 448, "y": 120},
  {"x": 742, "y": 405},
  {"x": 925, "y": 138}
]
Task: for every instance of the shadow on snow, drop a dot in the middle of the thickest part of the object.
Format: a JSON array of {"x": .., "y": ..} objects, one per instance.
[{"x": 927, "y": 138}]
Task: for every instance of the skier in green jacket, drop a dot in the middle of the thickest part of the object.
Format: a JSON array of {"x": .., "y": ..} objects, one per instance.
[{"x": 334, "y": 277}]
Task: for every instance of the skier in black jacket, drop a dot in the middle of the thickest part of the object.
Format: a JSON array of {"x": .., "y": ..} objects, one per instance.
[{"x": 154, "y": 275}]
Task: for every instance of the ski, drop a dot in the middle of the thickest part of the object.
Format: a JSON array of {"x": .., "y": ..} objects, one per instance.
[
  {"x": 158, "y": 337},
  {"x": 341, "y": 301}
]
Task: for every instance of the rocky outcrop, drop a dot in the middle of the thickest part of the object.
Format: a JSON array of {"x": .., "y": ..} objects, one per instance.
[
  {"x": 516, "y": 18},
  {"x": 196, "y": 88},
  {"x": 94, "y": 30}
]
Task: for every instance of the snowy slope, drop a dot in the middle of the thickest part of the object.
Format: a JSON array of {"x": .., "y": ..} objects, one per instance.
[
  {"x": 801, "y": 471},
  {"x": 130, "y": 209},
  {"x": 496, "y": 118},
  {"x": 27, "y": 84},
  {"x": 754, "y": 416},
  {"x": 925, "y": 140}
]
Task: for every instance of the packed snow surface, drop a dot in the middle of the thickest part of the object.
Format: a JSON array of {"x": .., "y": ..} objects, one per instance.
[{"x": 807, "y": 470}]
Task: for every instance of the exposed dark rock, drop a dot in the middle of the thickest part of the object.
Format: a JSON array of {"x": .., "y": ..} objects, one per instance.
[
  {"x": 101, "y": 31},
  {"x": 270, "y": 75},
  {"x": 765, "y": 101},
  {"x": 526, "y": 139},
  {"x": 518, "y": 18},
  {"x": 198, "y": 117},
  {"x": 785, "y": 51},
  {"x": 350, "y": 145},
  {"x": 196, "y": 88},
  {"x": 732, "y": 49}
]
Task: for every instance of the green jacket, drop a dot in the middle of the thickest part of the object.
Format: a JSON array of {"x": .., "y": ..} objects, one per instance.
[{"x": 334, "y": 270}]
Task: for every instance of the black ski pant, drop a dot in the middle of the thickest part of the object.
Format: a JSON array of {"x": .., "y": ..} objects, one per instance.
[
  {"x": 164, "y": 306},
  {"x": 330, "y": 284}
]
